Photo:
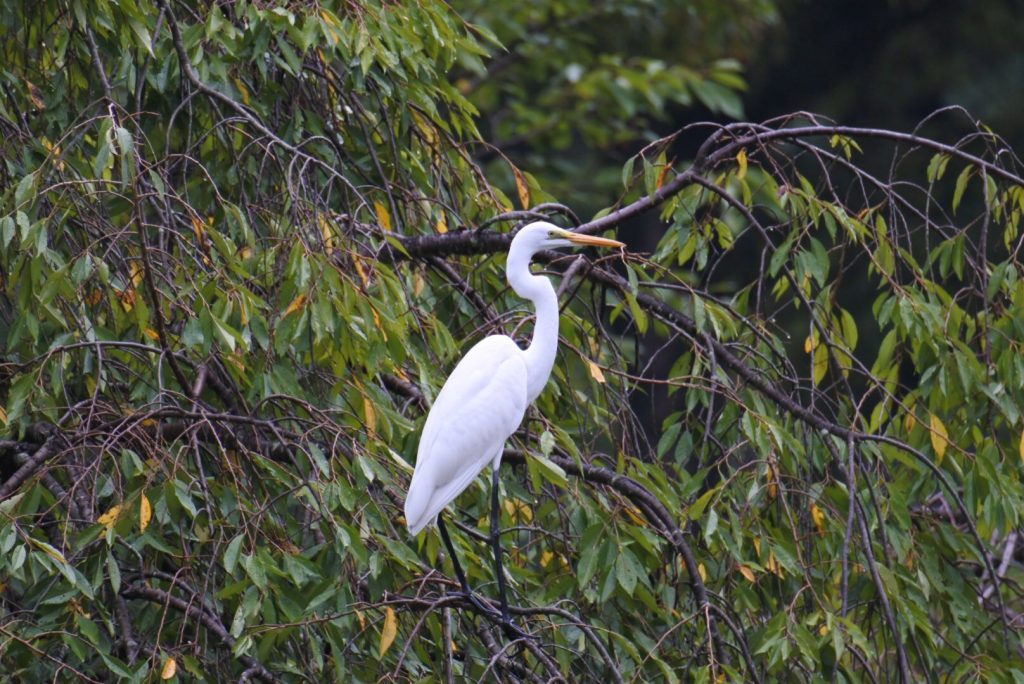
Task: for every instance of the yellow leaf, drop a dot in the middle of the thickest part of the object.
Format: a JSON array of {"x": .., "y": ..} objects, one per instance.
[
  {"x": 235, "y": 360},
  {"x": 151, "y": 334},
  {"x": 55, "y": 151},
  {"x": 522, "y": 188},
  {"x": 518, "y": 509},
  {"x": 910, "y": 422},
  {"x": 371, "y": 416},
  {"x": 1020, "y": 448},
  {"x": 137, "y": 274},
  {"x": 376, "y": 321},
  {"x": 773, "y": 479},
  {"x": 200, "y": 230},
  {"x": 748, "y": 573},
  {"x": 595, "y": 371},
  {"x": 361, "y": 271},
  {"x": 940, "y": 438},
  {"x": 426, "y": 128},
  {"x": 243, "y": 90},
  {"x": 773, "y": 565},
  {"x": 296, "y": 304},
  {"x": 387, "y": 636},
  {"x": 741, "y": 161},
  {"x": 50, "y": 551},
  {"x": 809, "y": 344},
  {"x": 819, "y": 518},
  {"x": 169, "y": 669},
  {"x": 823, "y": 630},
  {"x": 703, "y": 572},
  {"x": 546, "y": 558},
  {"x": 127, "y": 297},
  {"x": 33, "y": 94},
  {"x": 145, "y": 513},
  {"x": 383, "y": 215},
  {"x": 442, "y": 224},
  {"x": 3, "y": 415},
  {"x": 662, "y": 175},
  {"x": 362, "y": 619},
  {"x": 110, "y": 517},
  {"x": 329, "y": 18},
  {"x": 634, "y": 515},
  {"x": 418, "y": 283},
  {"x": 819, "y": 364},
  {"x": 326, "y": 233}
]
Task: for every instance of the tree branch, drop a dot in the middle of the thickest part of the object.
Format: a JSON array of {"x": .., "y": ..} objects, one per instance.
[{"x": 195, "y": 612}]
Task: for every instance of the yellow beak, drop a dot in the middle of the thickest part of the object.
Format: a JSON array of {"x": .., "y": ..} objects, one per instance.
[{"x": 591, "y": 240}]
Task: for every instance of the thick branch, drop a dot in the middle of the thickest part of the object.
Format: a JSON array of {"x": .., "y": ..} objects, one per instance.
[{"x": 33, "y": 463}]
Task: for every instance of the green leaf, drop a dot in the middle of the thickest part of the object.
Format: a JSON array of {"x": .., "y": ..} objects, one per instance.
[
  {"x": 6, "y": 231},
  {"x": 937, "y": 166},
  {"x": 18, "y": 397},
  {"x": 552, "y": 472},
  {"x": 224, "y": 333},
  {"x": 24, "y": 191},
  {"x": 126, "y": 150},
  {"x": 627, "y": 172},
  {"x": 696, "y": 509},
  {"x": 231, "y": 553},
  {"x": 113, "y": 572},
  {"x": 961, "y": 186},
  {"x": 589, "y": 553},
  {"x": 142, "y": 33},
  {"x": 627, "y": 570}
]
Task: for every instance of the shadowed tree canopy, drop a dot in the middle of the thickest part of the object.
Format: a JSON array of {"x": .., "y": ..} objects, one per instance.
[{"x": 242, "y": 244}]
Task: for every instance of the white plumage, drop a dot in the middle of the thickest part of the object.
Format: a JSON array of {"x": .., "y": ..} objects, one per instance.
[
  {"x": 485, "y": 398},
  {"x": 481, "y": 404}
]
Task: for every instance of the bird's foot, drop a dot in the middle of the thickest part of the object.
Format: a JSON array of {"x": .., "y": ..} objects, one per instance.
[
  {"x": 503, "y": 620},
  {"x": 484, "y": 609},
  {"x": 512, "y": 630}
]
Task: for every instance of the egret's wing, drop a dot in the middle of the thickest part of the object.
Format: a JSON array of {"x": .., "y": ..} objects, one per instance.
[
  {"x": 471, "y": 376},
  {"x": 482, "y": 403}
]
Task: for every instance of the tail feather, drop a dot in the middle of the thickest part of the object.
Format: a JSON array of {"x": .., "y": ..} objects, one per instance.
[{"x": 417, "y": 503}]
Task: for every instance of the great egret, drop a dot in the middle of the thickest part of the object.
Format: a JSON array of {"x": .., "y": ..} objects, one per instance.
[{"x": 484, "y": 401}]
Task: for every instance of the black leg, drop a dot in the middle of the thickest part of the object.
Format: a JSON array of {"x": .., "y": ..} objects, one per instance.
[
  {"x": 512, "y": 630},
  {"x": 499, "y": 571},
  {"x": 451, "y": 554},
  {"x": 470, "y": 596}
]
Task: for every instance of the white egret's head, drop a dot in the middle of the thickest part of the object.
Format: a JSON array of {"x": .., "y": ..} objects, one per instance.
[{"x": 542, "y": 235}]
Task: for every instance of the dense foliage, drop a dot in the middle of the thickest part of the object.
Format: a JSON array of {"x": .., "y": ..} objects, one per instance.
[{"x": 242, "y": 244}]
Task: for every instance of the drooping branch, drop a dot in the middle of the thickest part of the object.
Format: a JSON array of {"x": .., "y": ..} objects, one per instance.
[
  {"x": 196, "y": 612},
  {"x": 658, "y": 514}
]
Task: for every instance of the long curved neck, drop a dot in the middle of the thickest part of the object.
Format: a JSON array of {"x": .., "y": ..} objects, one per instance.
[{"x": 540, "y": 355}]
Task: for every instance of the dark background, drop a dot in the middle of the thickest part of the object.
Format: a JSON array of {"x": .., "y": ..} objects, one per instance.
[
  {"x": 889, "y": 63},
  {"x": 872, "y": 63}
]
